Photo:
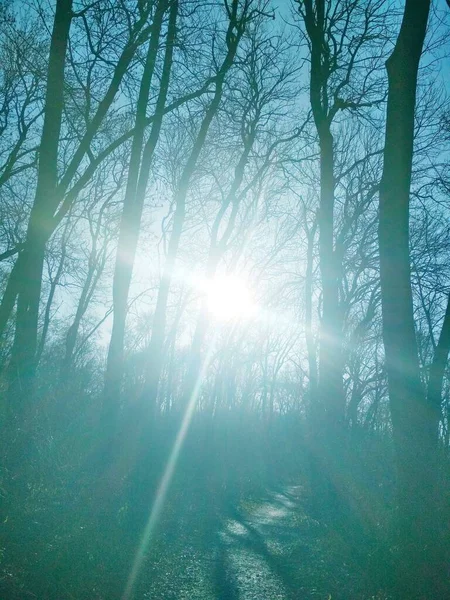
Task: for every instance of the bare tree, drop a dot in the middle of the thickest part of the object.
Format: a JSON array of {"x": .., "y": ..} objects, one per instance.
[
  {"x": 415, "y": 414},
  {"x": 23, "y": 358},
  {"x": 338, "y": 36},
  {"x": 140, "y": 161},
  {"x": 265, "y": 88},
  {"x": 238, "y": 19}
]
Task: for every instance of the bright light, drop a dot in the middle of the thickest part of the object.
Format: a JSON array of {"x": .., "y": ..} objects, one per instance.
[{"x": 228, "y": 298}]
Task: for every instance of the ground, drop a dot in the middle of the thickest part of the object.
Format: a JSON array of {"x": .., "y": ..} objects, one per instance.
[
  {"x": 264, "y": 548},
  {"x": 229, "y": 530}
]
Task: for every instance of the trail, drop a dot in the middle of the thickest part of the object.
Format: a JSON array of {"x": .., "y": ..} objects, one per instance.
[{"x": 259, "y": 550}]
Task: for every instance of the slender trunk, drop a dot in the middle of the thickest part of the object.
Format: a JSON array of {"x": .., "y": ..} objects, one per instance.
[
  {"x": 171, "y": 367},
  {"x": 447, "y": 425},
  {"x": 155, "y": 350},
  {"x": 201, "y": 328},
  {"x": 331, "y": 393},
  {"x": 271, "y": 401},
  {"x": 310, "y": 343},
  {"x": 355, "y": 399},
  {"x": 53, "y": 285},
  {"x": 195, "y": 358},
  {"x": 96, "y": 263},
  {"x": 23, "y": 359},
  {"x": 134, "y": 200},
  {"x": 437, "y": 371},
  {"x": 413, "y": 419},
  {"x": 327, "y": 442},
  {"x": 326, "y": 431},
  {"x": 264, "y": 397},
  {"x": 72, "y": 333},
  {"x": 10, "y": 295}
]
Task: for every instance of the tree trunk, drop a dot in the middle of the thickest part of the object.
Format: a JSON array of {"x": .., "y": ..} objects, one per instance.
[
  {"x": 310, "y": 343},
  {"x": 328, "y": 410},
  {"x": 10, "y": 295},
  {"x": 138, "y": 173},
  {"x": 331, "y": 393},
  {"x": 23, "y": 359},
  {"x": 47, "y": 317},
  {"x": 437, "y": 371},
  {"x": 413, "y": 419},
  {"x": 72, "y": 333}
]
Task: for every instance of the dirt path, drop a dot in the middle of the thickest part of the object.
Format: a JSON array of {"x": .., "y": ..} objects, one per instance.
[
  {"x": 257, "y": 551},
  {"x": 260, "y": 549}
]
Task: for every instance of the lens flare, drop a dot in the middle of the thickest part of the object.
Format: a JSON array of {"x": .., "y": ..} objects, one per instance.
[{"x": 228, "y": 298}]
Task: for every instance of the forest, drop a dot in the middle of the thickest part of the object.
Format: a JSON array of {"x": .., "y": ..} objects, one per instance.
[{"x": 224, "y": 299}]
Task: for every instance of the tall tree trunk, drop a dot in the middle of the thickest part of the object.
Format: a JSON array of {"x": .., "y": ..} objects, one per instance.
[
  {"x": 328, "y": 409},
  {"x": 310, "y": 342},
  {"x": 413, "y": 419},
  {"x": 331, "y": 393},
  {"x": 138, "y": 173},
  {"x": 330, "y": 381},
  {"x": 23, "y": 359}
]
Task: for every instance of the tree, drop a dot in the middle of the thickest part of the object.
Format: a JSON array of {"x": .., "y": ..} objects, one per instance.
[
  {"x": 265, "y": 89},
  {"x": 23, "y": 357},
  {"x": 340, "y": 41},
  {"x": 238, "y": 20},
  {"x": 415, "y": 414},
  {"x": 139, "y": 168}
]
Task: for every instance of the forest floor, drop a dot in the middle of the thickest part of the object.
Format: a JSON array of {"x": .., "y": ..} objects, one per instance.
[
  {"x": 239, "y": 522},
  {"x": 263, "y": 547}
]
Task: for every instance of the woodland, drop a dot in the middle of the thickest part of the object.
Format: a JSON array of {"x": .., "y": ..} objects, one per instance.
[{"x": 224, "y": 299}]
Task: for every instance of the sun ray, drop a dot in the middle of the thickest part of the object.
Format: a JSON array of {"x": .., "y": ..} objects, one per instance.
[{"x": 167, "y": 478}]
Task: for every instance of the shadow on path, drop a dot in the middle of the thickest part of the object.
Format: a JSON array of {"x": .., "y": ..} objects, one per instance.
[{"x": 261, "y": 551}]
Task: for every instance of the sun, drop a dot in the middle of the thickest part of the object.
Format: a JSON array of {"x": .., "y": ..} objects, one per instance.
[{"x": 228, "y": 297}]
